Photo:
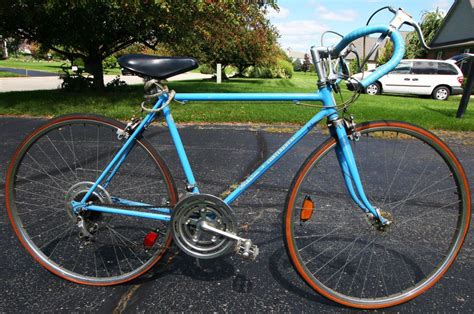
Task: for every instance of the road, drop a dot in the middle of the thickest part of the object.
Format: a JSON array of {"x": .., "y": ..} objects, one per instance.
[
  {"x": 27, "y": 72},
  {"x": 9, "y": 84},
  {"x": 226, "y": 284}
]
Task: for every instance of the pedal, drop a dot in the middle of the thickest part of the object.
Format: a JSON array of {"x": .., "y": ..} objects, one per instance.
[{"x": 246, "y": 249}]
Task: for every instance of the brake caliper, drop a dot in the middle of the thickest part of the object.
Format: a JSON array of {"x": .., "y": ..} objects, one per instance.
[{"x": 350, "y": 124}]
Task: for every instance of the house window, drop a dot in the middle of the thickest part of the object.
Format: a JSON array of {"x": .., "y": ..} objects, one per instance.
[{"x": 439, "y": 55}]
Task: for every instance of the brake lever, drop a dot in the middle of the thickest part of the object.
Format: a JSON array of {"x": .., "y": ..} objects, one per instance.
[
  {"x": 402, "y": 17},
  {"x": 420, "y": 35},
  {"x": 392, "y": 9}
]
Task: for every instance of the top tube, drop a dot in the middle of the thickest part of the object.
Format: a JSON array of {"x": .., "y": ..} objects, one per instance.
[
  {"x": 249, "y": 97},
  {"x": 398, "y": 49}
]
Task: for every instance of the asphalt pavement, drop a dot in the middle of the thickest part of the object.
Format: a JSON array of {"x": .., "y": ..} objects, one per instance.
[{"x": 228, "y": 283}]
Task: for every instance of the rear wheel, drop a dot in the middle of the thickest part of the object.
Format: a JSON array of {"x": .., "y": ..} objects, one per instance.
[
  {"x": 415, "y": 181},
  {"x": 441, "y": 93},
  {"x": 58, "y": 163}
]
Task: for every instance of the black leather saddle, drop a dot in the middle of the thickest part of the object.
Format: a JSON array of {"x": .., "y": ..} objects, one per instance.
[{"x": 155, "y": 66}]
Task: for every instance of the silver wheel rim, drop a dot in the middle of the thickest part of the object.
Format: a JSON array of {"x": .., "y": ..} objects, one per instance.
[
  {"x": 54, "y": 264},
  {"x": 372, "y": 89},
  {"x": 441, "y": 94}
]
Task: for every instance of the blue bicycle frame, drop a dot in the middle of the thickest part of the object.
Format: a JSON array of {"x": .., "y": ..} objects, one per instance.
[{"x": 325, "y": 95}]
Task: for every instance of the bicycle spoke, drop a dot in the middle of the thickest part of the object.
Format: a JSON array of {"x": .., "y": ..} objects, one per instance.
[
  {"x": 74, "y": 153},
  {"x": 413, "y": 186}
]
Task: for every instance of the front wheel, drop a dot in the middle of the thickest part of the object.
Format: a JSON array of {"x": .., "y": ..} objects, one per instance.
[
  {"x": 56, "y": 165},
  {"x": 416, "y": 182}
]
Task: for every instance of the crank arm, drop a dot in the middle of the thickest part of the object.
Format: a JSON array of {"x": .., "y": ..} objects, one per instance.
[
  {"x": 244, "y": 247},
  {"x": 207, "y": 227}
]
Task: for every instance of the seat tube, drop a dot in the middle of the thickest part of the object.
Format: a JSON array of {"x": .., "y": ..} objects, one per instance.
[{"x": 191, "y": 182}]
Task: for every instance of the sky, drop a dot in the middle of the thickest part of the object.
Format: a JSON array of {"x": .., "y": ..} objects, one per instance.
[{"x": 301, "y": 22}]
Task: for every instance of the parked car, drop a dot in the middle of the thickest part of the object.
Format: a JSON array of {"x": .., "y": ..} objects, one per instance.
[
  {"x": 462, "y": 61},
  {"x": 460, "y": 57},
  {"x": 437, "y": 78}
]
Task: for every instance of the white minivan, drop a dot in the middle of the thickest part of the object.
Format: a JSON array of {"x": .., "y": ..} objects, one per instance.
[{"x": 419, "y": 77}]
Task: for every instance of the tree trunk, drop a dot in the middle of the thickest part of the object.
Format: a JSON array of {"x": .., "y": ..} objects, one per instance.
[
  {"x": 241, "y": 69},
  {"x": 3, "y": 48},
  {"x": 93, "y": 65}
]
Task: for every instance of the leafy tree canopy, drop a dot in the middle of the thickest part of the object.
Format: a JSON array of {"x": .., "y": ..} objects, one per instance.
[
  {"x": 95, "y": 29},
  {"x": 385, "y": 53},
  {"x": 430, "y": 23},
  {"x": 91, "y": 30},
  {"x": 231, "y": 32}
]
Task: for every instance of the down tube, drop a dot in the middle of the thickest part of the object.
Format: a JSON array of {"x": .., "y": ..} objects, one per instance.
[{"x": 278, "y": 154}]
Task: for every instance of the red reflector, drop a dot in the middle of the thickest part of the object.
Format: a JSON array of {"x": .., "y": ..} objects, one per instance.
[
  {"x": 150, "y": 239},
  {"x": 307, "y": 208},
  {"x": 460, "y": 79}
]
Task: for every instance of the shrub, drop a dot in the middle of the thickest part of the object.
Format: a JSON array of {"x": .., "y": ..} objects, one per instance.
[
  {"x": 79, "y": 62},
  {"x": 297, "y": 65},
  {"x": 75, "y": 82},
  {"x": 116, "y": 82},
  {"x": 282, "y": 69},
  {"x": 286, "y": 68},
  {"x": 110, "y": 62},
  {"x": 206, "y": 69},
  {"x": 231, "y": 70},
  {"x": 354, "y": 67}
]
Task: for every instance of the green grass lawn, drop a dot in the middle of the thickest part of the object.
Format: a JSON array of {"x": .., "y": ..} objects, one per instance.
[
  {"x": 9, "y": 74},
  {"x": 123, "y": 103},
  {"x": 43, "y": 65}
]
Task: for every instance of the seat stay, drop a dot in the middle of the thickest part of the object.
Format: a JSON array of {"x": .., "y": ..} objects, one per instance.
[{"x": 119, "y": 158}]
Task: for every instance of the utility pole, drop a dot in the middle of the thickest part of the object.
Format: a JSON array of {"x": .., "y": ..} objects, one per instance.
[
  {"x": 466, "y": 95},
  {"x": 219, "y": 73}
]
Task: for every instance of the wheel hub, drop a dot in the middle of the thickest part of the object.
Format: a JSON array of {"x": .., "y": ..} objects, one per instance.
[
  {"x": 377, "y": 223},
  {"x": 77, "y": 193},
  {"x": 441, "y": 94}
]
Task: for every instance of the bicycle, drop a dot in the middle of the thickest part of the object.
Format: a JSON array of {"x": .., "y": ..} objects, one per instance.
[{"x": 94, "y": 203}]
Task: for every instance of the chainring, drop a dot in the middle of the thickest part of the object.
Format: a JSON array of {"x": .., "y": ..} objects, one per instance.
[{"x": 191, "y": 238}]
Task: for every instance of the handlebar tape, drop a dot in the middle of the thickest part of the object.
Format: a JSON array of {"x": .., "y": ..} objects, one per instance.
[{"x": 398, "y": 49}]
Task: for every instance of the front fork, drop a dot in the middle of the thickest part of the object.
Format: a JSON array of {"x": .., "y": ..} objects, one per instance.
[{"x": 349, "y": 169}]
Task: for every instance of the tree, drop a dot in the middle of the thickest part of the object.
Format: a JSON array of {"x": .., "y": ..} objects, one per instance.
[
  {"x": 297, "y": 65},
  {"x": 231, "y": 33},
  {"x": 430, "y": 23},
  {"x": 3, "y": 48},
  {"x": 93, "y": 30},
  {"x": 354, "y": 67},
  {"x": 386, "y": 53},
  {"x": 227, "y": 32},
  {"x": 306, "y": 63}
]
